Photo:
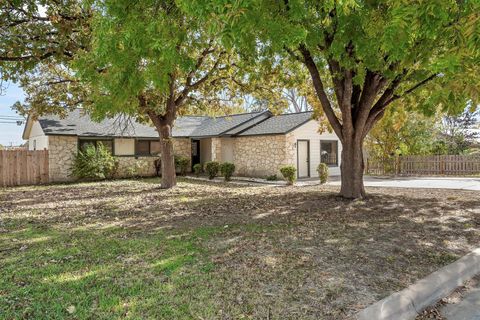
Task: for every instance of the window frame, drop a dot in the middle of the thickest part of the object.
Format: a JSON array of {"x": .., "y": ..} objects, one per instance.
[
  {"x": 149, "y": 154},
  {"x": 336, "y": 152},
  {"x": 95, "y": 141}
]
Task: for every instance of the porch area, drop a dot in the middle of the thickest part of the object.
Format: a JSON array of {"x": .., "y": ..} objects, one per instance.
[{"x": 253, "y": 156}]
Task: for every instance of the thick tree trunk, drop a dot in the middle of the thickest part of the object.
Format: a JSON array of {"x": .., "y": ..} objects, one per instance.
[
  {"x": 352, "y": 167},
  {"x": 169, "y": 179}
]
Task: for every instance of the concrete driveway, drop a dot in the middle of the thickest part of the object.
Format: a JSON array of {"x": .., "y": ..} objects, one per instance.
[{"x": 418, "y": 182}]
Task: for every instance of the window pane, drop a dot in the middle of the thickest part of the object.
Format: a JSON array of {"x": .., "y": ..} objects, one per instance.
[
  {"x": 329, "y": 152},
  {"x": 155, "y": 148},
  {"x": 143, "y": 147},
  {"x": 84, "y": 143},
  {"x": 194, "y": 148},
  {"x": 108, "y": 144}
]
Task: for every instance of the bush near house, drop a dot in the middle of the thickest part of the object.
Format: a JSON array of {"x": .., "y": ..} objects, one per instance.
[
  {"x": 273, "y": 177},
  {"x": 94, "y": 163},
  {"x": 211, "y": 168},
  {"x": 197, "y": 169},
  {"x": 322, "y": 170},
  {"x": 227, "y": 169},
  {"x": 181, "y": 163},
  {"x": 288, "y": 173}
]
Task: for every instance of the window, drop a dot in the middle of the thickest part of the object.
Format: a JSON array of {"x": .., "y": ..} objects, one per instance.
[
  {"x": 83, "y": 143},
  {"x": 155, "y": 148},
  {"x": 147, "y": 148},
  {"x": 329, "y": 152}
]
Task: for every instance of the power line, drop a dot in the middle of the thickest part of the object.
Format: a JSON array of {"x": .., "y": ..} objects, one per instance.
[
  {"x": 18, "y": 123},
  {"x": 9, "y": 116}
]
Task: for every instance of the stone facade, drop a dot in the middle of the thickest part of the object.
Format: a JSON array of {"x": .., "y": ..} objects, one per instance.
[
  {"x": 62, "y": 150},
  {"x": 182, "y": 147},
  {"x": 216, "y": 149},
  {"x": 129, "y": 166},
  {"x": 261, "y": 156},
  {"x": 61, "y": 153}
]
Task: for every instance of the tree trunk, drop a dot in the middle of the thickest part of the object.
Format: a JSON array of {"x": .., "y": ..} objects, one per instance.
[
  {"x": 352, "y": 167},
  {"x": 169, "y": 179}
]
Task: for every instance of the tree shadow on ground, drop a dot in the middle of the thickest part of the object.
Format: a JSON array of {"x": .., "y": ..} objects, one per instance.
[{"x": 207, "y": 250}]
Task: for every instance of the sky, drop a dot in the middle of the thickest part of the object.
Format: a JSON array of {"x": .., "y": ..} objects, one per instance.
[{"x": 10, "y": 133}]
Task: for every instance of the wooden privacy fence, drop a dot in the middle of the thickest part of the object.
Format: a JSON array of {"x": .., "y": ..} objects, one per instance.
[
  {"x": 22, "y": 167},
  {"x": 450, "y": 165}
]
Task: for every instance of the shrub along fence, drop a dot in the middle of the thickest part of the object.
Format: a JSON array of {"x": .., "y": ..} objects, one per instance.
[
  {"x": 444, "y": 165},
  {"x": 23, "y": 167}
]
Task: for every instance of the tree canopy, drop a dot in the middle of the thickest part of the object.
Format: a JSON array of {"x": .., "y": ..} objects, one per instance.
[{"x": 362, "y": 56}]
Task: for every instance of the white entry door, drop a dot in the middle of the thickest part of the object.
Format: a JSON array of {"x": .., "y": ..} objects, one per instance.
[{"x": 303, "y": 158}]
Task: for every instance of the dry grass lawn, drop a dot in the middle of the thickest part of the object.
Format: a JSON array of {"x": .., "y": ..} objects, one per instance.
[{"x": 126, "y": 249}]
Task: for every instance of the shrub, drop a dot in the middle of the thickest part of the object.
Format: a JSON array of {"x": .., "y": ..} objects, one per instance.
[
  {"x": 227, "y": 169},
  {"x": 322, "y": 170},
  {"x": 273, "y": 177},
  {"x": 211, "y": 168},
  {"x": 288, "y": 173},
  {"x": 94, "y": 163},
  {"x": 181, "y": 163},
  {"x": 197, "y": 169},
  {"x": 158, "y": 167}
]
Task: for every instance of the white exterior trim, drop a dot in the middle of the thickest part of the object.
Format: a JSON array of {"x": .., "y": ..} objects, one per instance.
[{"x": 309, "y": 131}]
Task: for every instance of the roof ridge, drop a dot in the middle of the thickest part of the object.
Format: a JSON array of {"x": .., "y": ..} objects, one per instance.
[{"x": 292, "y": 113}]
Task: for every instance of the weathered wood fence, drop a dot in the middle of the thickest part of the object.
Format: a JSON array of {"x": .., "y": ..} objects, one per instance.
[
  {"x": 23, "y": 167},
  {"x": 448, "y": 165}
]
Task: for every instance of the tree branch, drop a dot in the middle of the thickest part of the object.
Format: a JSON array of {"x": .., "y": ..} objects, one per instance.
[
  {"x": 319, "y": 89},
  {"x": 415, "y": 87},
  {"x": 28, "y": 57}
]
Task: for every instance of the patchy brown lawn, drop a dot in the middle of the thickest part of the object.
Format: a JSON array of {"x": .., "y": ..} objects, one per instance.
[{"x": 126, "y": 249}]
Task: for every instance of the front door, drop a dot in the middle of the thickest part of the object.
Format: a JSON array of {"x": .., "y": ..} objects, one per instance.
[
  {"x": 195, "y": 152},
  {"x": 303, "y": 158}
]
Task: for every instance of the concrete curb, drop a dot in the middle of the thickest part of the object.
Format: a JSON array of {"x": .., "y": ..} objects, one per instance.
[{"x": 408, "y": 303}]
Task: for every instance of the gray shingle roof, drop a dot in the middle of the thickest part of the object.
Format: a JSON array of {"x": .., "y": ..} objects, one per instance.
[
  {"x": 280, "y": 124},
  {"x": 256, "y": 123},
  {"x": 78, "y": 124}
]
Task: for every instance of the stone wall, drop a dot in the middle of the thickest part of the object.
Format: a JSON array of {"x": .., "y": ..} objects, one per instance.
[
  {"x": 61, "y": 152},
  {"x": 216, "y": 149},
  {"x": 129, "y": 166},
  {"x": 182, "y": 147},
  {"x": 260, "y": 156}
]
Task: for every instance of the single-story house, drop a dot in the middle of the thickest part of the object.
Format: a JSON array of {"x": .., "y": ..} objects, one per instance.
[{"x": 258, "y": 143}]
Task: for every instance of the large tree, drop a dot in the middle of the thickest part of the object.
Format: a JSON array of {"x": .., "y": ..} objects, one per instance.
[
  {"x": 38, "y": 41},
  {"x": 362, "y": 56},
  {"x": 150, "y": 60}
]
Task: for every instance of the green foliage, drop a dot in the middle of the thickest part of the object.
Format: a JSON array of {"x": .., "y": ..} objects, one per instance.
[
  {"x": 212, "y": 168},
  {"x": 155, "y": 51},
  {"x": 38, "y": 43},
  {"x": 457, "y": 134},
  {"x": 94, "y": 163},
  {"x": 2, "y": 147},
  {"x": 182, "y": 163},
  {"x": 227, "y": 169},
  {"x": 425, "y": 53},
  {"x": 289, "y": 174},
  {"x": 272, "y": 177},
  {"x": 322, "y": 170},
  {"x": 197, "y": 169},
  {"x": 400, "y": 132}
]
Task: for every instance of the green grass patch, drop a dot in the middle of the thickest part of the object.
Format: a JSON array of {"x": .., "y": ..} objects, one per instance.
[{"x": 105, "y": 274}]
